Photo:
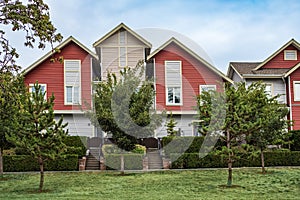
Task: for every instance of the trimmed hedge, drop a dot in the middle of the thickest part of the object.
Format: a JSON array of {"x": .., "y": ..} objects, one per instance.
[
  {"x": 276, "y": 158},
  {"x": 185, "y": 144},
  {"x": 22, "y": 163},
  {"x": 77, "y": 145},
  {"x": 131, "y": 161}
]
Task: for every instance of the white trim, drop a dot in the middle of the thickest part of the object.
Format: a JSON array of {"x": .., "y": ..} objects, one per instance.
[
  {"x": 294, "y": 83},
  {"x": 126, "y": 59},
  {"x": 178, "y": 112},
  {"x": 41, "y": 84},
  {"x": 154, "y": 82},
  {"x": 113, "y": 31},
  {"x": 192, "y": 53},
  {"x": 125, "y": 37},
  {"x": 68, "y": 112},
  {"x": 52, "y": 52},
  {"x": 291, "y": 42},
  {"x": 292, "y": 70},
  {"x": 272, "y": 87},
  {"x": 80, "y": 82},
  {"x": 290, "y": 51},
  {"x": 166, "y": 86},
  {"x": 232, "y": 67},
  {"x": 202, "y": 85},
  {"x": 290, "y": 100}
]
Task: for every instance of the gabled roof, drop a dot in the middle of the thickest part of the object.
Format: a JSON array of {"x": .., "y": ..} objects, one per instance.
[
  {"x": 192, "y": 53},
  {"x": 117, "y": 28},
  {"x": 61, "y": 45},
  {"x": 247, "y": 70},
  {"x": 292, "y": 70},
  {"x": 291, "y": 42}
]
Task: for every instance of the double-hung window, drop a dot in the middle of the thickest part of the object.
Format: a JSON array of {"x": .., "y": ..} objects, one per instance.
[
  {"x": 296, "y": 90},
  {"x": 43, "y": 89},
  {"x": 207, "y": 88},
  {"x": 72, "y": 82},
  {"x": 173, "y": 82}
]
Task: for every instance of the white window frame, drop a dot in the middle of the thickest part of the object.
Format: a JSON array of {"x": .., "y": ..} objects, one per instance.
[
  {"x": 170, "y": 86},
  {"x": 272, "y": 89},
  {"x": 294, "y": 83},
  {"x": 206, "y": 86},
  {"x": 290, "y": 51},
  {"x": 65, "y": 85},
  {"x": 31, "y": 85},
  {"x": 126, "y": 60},
  {"x": 125, "y": 37}
]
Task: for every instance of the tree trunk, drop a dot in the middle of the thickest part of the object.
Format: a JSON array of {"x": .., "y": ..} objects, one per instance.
[
  {"x": 41, "y": 163},
  {"x": 262, "y": 161},
  {"x": 1, "y": 162},
  {"x": 122, "y": 164},
  {"x": 229, "y": 181}
]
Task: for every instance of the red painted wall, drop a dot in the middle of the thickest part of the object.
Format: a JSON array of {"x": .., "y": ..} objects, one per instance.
[
  {"x": 295, "y": 76},
  {"x": 52, "y": 74},
  {"x": 194, "y": 73},
  {"x": 279, "y": 62}
]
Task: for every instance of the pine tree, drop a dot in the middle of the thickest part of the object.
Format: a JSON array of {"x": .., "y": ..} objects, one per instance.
[
  {"x": 38, "y": 133},
  {"x": 171, "y": 124},
  {"x": 237, "y": 112}
]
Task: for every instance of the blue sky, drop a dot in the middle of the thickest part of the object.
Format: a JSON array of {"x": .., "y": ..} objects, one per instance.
[{"x": 226, "y": 30}]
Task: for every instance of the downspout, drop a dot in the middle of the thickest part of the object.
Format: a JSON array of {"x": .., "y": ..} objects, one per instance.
[{"x": 290, "y": 100}]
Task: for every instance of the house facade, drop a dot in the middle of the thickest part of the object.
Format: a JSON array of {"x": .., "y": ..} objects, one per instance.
[
  {"x": 179, "y": 76},
  {"x": 69, "y": 81},
  {"x": 281, "y": 74}
]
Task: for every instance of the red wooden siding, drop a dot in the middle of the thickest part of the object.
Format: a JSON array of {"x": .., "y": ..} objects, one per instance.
[
  {"x": 279, "y": 62},
  {"x": 52, "y": 74},
  {"x": 295, "y": 76},
  {"x": 194, "y": 73}
]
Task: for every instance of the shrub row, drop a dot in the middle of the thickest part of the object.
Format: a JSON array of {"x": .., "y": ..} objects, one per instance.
[
  {"x": 276, "y": 158},
  {"x": 185, "y": 144},
  {"x": 77, "y": 145},
  {"x": 22, "y": 163},
  {"x": 131, "y": 161}
]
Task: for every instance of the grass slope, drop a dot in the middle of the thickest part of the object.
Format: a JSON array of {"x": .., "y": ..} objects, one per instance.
[{"x": 198, "y": 184}]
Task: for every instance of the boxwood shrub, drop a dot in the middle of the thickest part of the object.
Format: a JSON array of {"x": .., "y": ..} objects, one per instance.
[
  {"x": 275, "y": 158},
  {"x": 131, "y": 161},
  {"x": 184, "y": 144},
  {"x": 23, "y": 163}
]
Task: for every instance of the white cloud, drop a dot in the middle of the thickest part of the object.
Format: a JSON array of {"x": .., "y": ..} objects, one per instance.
[{"x": 226, "y": 30}]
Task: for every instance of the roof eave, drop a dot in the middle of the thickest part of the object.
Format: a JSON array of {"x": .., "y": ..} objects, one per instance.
[
  {"x": 61, "y": 45},
  {"x": 191, "y": 53},
  {"x": 292, "y": 41},
  {"x": 122, "y": 25}
]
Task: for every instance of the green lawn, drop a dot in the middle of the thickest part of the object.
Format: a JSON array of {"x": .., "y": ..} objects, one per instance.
[{"x": 194, "y": 184}]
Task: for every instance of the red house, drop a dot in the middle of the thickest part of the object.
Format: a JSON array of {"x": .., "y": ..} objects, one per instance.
[
  {"x": 180, "y": 75},
  {"x": 281, "y": 74},
  {"x": 70, "y": 82}
]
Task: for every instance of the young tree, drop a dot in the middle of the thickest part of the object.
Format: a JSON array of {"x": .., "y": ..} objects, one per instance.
[
  {"x": 123, "y": 107},
  {"x": 39, "y": 134},
  {"x": 11, "y": 87},
  {"x": 240, "y": 108},
  {"x": 273, "y": 125},
  {"x": 33, "y": 19},
  {"x": 171, "y": 124}
]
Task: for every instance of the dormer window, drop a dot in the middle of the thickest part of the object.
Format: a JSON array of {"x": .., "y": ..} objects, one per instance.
[{"x": 290, "y": 55}]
